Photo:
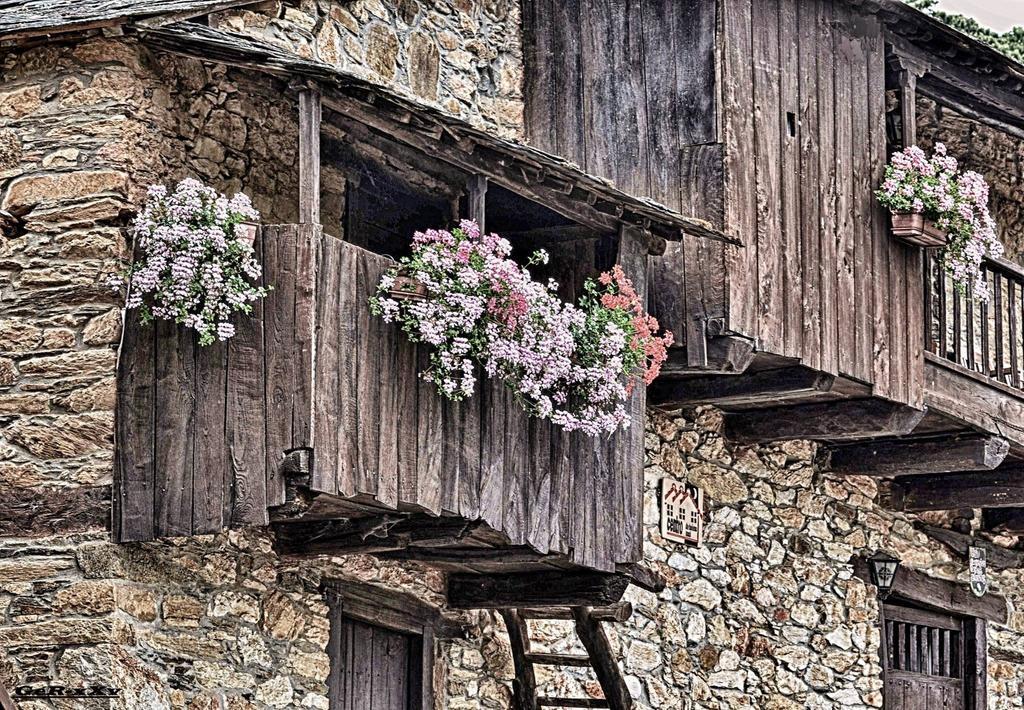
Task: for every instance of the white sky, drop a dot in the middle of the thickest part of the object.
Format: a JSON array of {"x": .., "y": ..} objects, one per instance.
[{"x": 1000, "y": 15}]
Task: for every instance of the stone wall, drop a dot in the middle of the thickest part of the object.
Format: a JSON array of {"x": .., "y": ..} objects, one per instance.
[
  {"x": 997, "y": 155},
  {"x": 204, "y": 623},
  {"x": 766, "y": 613},
  {"x": 463, "y": 55}
]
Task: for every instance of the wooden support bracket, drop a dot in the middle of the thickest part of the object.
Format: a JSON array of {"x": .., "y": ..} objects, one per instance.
[
  {"x": 999, "y": 488},
  {"x": 913, "y": 457},
  {"x": 996, "y": 556},
  {"x": 726, "y": 355},
  {"x": 791, "y": 384},
  {"x": 309, "y": 156},
  {"x": 843, "y": 420},
  {"x": 534, "y": 589}
]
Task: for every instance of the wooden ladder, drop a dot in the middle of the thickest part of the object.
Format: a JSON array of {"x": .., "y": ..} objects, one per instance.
[{"x": 599, "y": 656}]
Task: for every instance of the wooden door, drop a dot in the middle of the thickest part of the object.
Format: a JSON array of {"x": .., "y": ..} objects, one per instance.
[
  {"x": 924, "y": 660},
  {"x": 377, "y": 669}
]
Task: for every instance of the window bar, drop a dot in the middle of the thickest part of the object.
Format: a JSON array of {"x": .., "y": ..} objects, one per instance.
[
  {"x": 958, "y": 338},
  {"x": 986, "y": 331},
  {"x": 940, "y": 280},
  {"x": 997, "y": 306},
  {"x": 1011, "y": 302},
  {"x": 969, "y": 306}
]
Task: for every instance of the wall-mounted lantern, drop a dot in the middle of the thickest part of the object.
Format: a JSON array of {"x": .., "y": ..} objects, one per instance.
[{"x": 883, "y": 568}]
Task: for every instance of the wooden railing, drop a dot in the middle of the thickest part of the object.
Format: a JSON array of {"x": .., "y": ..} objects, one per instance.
[{"x": 987, "y": 338}]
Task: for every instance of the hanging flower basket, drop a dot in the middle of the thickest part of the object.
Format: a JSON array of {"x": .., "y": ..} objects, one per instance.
[
  {"x": 408, "y": 288},
  {"x": 935, "y": 204},
  {"x": 461, "y": 296},
  {"x": 246, "y": 232},
  {"x": 915, "y": 229}
]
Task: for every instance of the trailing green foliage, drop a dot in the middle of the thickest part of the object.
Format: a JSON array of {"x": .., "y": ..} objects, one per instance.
[{"x": 1010, "y": 43}]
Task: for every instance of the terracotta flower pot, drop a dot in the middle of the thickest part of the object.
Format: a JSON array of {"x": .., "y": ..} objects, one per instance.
[
  {"x": 915, "y": 229},
  {"x": 408, "y": 288},
  {"x": 246, "y": 231}
]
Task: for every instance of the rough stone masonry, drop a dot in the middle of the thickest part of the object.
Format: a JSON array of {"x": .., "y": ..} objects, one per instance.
[{"x": 765, "y": 614}]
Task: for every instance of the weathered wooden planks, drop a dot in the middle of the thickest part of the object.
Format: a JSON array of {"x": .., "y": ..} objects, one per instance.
[
  {"x": 174, "y": 434},
  {"x": 818, "y": 256},
  {"x": 211, "y": 479},
  {"x": 344, "y": 385},
  {"x": 246, "y": 412},
  {"x": 135, "y": 426},
  {"x": 290, "y": 262}
]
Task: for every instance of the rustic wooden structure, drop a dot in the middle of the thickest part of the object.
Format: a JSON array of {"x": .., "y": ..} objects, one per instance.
[
  {"x": 599, "y": 657},
  {"x": 313, "y": 417},
  {"x": 773, "y": 121}
]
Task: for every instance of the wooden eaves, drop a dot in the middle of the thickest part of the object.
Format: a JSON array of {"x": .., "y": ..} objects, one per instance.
[
  {"x": 555, "y": 182},
  {"x": 25, "y": 19}
]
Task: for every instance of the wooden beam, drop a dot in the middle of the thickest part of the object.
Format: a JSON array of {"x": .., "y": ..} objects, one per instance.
[
  {"x": 997, "y": 556},
  {"x": 476, "y": 199},
  {"x": 309, "y": 156},
  {"x": 914, "y": 457},
  {"x": 775, "y": 386},
  {"x": 844, "y": 420},
  {"x": 534, "y": 589},
  {"x": 382, "y": 606},
  {"x": 642, "y": 576},
  {"x": 1009, "y": 521},
  {"x": 383, "y": 533},
  {"x": 618, "y": 613},
  {"x": 939, "y": 594},
  {"x": 1001, "y": 488},
  {"x": 726, "y": 355}
]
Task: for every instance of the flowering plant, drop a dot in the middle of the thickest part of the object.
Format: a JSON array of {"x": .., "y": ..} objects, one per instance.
[
  {"x": 956, "y": 201},
  {"x": 572, "y": 364},
  {"x": 193, "y": 264}
]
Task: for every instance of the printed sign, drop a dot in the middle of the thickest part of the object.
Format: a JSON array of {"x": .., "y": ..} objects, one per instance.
[
  {"x": 979, "y": 570},
  {"x": 682, "y": 511}
]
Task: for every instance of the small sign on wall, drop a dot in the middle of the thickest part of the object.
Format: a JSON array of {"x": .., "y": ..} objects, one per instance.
[
  {"x": 682, "y": 511},
  {"x": 978, "y": 567}
]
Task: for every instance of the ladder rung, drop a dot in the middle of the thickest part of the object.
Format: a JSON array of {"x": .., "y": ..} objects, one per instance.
[
  {"x": 572, "y": 702},
  {"x": 559, "y": 659},
  {"x": 619, "y": 611}
]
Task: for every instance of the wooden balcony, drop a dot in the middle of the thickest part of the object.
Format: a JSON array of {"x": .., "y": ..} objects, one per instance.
[{"x": 314, "y": 418}]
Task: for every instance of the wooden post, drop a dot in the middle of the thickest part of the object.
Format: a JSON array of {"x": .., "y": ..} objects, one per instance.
[
  {"x": 524, "y": 686},
  {"x": 476, "y": 197},
  {"x": 975, "y": 664},
  {"x": 309, "y": 156},
  {"x": 907, "y": 72}
]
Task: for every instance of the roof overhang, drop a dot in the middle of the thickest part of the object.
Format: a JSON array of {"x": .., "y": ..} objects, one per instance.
[{"x": 548, "y": 179}]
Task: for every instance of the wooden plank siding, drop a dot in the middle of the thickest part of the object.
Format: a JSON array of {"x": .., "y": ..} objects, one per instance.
[
  {"x": 767, "y": 118},
  {"x": 483, "y": 458},
  {"x": 824, "y": 261},
  {"x": 627, "y": 89},
  {"x": 202, "y": 431}
]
